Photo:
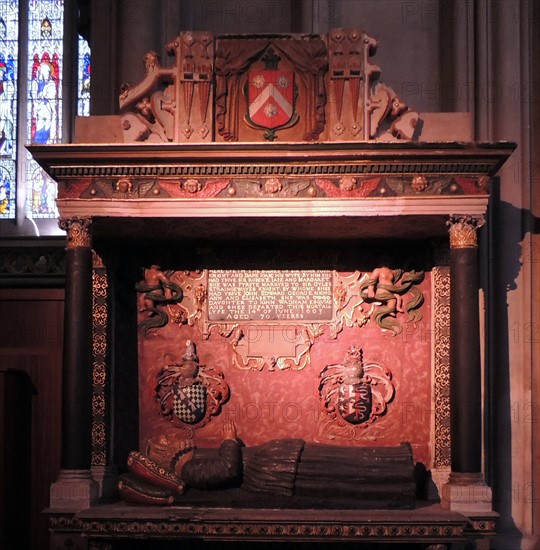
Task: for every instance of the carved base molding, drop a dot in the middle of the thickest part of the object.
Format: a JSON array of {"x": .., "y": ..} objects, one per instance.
[
  {"x": 428, "y": 524},
  {"x": 73, "y": 490},
  {"x": 470, "y": 498}
]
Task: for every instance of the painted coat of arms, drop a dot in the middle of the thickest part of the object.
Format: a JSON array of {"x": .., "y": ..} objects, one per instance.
[
  {"x": 353, "y": 392},
  {"x": 189, "y": 393},
  {"x": 271, "y": 98}
]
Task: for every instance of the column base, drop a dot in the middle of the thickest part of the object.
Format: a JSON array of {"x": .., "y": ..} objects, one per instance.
[
  {"x": 466, "y": 493},
  {"x": 74, "y": 490},
  {"x": 107, "y": 480}
]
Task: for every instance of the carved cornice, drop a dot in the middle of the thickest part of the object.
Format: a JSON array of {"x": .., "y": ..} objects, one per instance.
[
  {"x": 78, "y": 232},
  {"x": 215, "y": 159},
  {"x": 463, "y": 231}
]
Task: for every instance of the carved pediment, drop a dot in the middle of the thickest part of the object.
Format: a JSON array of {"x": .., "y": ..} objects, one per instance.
[{"x": 290, "y": 87}]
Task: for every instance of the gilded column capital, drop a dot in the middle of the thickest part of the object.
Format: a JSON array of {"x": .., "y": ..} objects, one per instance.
[
  {"x": 463, "y": 230},
  {"x": 78, "y": 230}
]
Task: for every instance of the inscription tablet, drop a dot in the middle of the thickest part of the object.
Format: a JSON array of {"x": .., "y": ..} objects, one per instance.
[{"x": 269, "y": 295}]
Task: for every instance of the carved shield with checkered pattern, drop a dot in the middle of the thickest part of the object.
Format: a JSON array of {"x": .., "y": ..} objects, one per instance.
[{"x": 189, "y": 403}]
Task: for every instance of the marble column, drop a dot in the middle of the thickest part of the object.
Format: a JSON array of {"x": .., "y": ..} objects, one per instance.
[
  {"x": 465, "y": 490},
  {"x": 75, "y": 488}
]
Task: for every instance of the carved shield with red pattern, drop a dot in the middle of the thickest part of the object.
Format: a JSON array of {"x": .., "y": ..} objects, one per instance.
[
  {"x": 271, "y": 98},
  {"x": 355, "y": 402}
]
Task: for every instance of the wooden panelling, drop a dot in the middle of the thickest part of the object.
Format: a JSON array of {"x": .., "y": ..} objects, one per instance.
[{"x": 31, "y": 322}]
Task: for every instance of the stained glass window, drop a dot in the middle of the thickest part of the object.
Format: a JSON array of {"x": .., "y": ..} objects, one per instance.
[
  {"x": 44, "y": 98},
  {"x": 32, "y": 42},
  {"x": 9, "y": 39},
  {"x": 83, "y": 87}
]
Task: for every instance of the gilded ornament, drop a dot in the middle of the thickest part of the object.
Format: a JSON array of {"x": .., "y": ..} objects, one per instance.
[
  {"x": 123, "y": 185},
  {"x": 441, "y": 367},
  {"x": 272, "y": 185},
  {"x": 463, "y": 231},
  {"x": 97, "y": 261},
  {"x": 419, "y": 183},
  {"x": 78, "y": 232},
  {"x": 192, "y": 186},
  {"x": 483, "y": 183},
  {"x": 347, "y": 183}
]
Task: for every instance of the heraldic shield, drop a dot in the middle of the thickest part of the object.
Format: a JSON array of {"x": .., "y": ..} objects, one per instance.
[
  {"x": 271, "y": 95},
  {"x": 355, "y": 402},
  {"x": 189, "y": 403},
  {"x": 189, "y": 393},
  {"x": 271, "y": 98},
  {"x": 354, "y": 392}
]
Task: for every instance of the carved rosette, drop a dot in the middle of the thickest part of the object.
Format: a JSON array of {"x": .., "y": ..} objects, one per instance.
[
  {"x": 78, "y": 230},
  {"x": 463, "y": 231}
]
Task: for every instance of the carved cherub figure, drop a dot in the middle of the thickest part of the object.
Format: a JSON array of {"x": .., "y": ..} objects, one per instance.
[
  {"x": 396, "y": 293},
  {"x": 156, "y": 284},
  {"x": 382, "y": 279}
]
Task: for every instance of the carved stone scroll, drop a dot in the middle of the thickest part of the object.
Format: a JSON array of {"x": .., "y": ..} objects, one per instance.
[{"x": 173, "y": 103}]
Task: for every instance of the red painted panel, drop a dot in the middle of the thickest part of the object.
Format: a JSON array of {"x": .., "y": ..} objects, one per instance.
[{"x": 285, "y": 404}]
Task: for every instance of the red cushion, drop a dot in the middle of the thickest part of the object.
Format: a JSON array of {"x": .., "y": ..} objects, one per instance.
[
  {"x": 147, "y": 470},
  {"x": 139, "y": 492}
]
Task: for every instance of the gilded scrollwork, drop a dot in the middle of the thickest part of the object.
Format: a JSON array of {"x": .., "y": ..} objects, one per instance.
[
  {"x": 441, "y": 366},
  {"x": 100, "y": 357}
]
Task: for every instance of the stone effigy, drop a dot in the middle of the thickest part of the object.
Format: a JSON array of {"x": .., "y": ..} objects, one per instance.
[{"x": 283, "y": 472}]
